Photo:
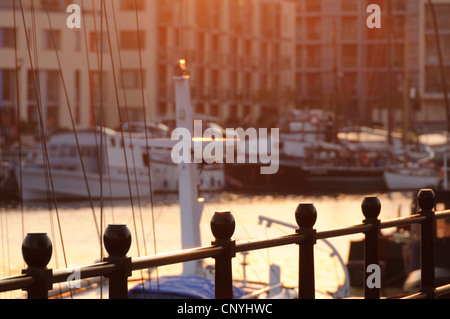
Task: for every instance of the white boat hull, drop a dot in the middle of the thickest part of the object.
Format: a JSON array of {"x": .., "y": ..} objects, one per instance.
[
  {"x": 398, "y": 180},
  {"x": 72, "y": 184}
]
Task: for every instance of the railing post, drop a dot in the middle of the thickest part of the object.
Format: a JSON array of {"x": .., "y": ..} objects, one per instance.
[
  {"x": 117, "y": 239},
  {"x": 222, "y": 227},
  {"x": 427, "y": 201},
  {"x": 371, "y": 208},
  {"x": 306, "y": 216},
  {"x": 37, "y": 252}
]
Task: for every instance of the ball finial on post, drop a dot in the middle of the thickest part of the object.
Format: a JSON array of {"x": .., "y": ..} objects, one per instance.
[
  {"x": 371, "y": 207},
  {"x": 223, "y": 225},
  {"x": 306, "y": 215},
  {"x": 117, "y": 239},
  {"x": 426, "y": 199},
  {"x": 37, "y": 250}
]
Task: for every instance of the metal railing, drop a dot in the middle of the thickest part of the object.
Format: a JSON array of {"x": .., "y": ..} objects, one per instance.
[{"x": 38, "y": 280}]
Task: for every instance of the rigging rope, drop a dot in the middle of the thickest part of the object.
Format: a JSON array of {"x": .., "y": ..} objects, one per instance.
[
  {"x": 146, "y": 137},
  {"x": 18, "y": 120},
  {"x": 46, "y": 159},
  {"x": 121, "y": 129}
]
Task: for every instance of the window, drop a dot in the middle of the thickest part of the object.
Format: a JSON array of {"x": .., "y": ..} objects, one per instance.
[
  {"x": 442, "y": 14},
  {"x": 165, "y": 11},
  {"x": 51, "y": 39},
  {"x": 349, "y": 55},
  {"x": 132, "y": 79},
  {"x": 45, "y": 80},
  {"x": 98, "y": 82},
  {"x": 314, "y": 84},
  {"x": 162, "y": 37},
  {"x": 49, "y": 84},
  {"x": 8, "y": 84},
  {"x": 349, "y": 28},
  {"x": 432, "y": 56},
  {"x": 399, "y": 5},
  {"x": 349, "y": 5},
  {"x": 130, "y": 40},
  {"x": 267, "y": 20},
  {"x": 214, "y": 110},
  {"x": 376, "y": 55},
  {"x": 77, "y": 40},
  {"x": 53, "y": 5},
  {"x": 375, "y": 83},
  {"x": 131, "y": 114},
  {"x": 162, "y": 108},
  {"x": 131, "y": 5},
  {"x": 313, "y": 5},
  {"x": 313, "y": 56},
  {"x": 96, "y": 41},
  {"x": 312, "y": 28},
  {"x": 349, "y": 81},
  {"x": 6, "y": 37},
  {"x": 433, "y": 80}
]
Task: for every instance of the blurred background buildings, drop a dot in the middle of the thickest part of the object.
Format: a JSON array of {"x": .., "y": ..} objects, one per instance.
[{"x": 251, "y": 61}]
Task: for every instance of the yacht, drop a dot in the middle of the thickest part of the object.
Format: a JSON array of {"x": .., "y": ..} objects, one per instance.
[{"x": 107, "y": 173}]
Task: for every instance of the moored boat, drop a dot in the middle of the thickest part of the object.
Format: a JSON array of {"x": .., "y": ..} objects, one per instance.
[
  {"x": 411, "y": 178},
  {"x": 121, "y": 177}
]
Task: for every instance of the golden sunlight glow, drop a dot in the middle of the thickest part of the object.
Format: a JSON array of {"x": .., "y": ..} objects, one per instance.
[
  {"x": 202, "y": 139},
  {"x": 182, "y": 63},
  {"x": 201, "y": 199},
  {"x": 210, "y": 139}
]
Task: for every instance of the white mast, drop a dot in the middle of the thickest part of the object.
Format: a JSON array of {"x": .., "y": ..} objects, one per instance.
[{"x": 188, "y": 180}]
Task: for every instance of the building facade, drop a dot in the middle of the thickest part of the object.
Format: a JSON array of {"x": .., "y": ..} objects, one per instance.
[{"x": 250, "y": 61}]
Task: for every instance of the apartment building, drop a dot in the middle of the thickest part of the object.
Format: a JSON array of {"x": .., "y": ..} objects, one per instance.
[
  {"x": 432, "y": 106},
  {"x": 89, "y": 75},
  {"x": 250, "y": 61},
  {"x": 360, "y": 72},
  {"x": 239, "y": 54}
]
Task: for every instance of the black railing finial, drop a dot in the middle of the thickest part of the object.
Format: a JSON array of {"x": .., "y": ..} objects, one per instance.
[
  {"x": 37, "y": 252},
  {"x": 306, "y": 216},
  {"x": 117, "y": 240},
  {"x": 222, "y": 227},
  {"x": 427, "y": 201},
  {"x": 371, "y": 208}
]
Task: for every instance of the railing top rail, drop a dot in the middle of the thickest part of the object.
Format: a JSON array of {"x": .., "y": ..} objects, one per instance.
[
  {"x": 96, "y": 270},
  {"x": 14, "y": 283},
  {"x": 403, "y": 221},
  {"x": 351, "y": 230},
  {"x": 268, "y": 243},
  {"x": 442, "y": 214},
  {"x": 175, "y": 257}
]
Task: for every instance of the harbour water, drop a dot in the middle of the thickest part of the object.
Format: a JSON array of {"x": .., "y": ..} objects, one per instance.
[{"x": 74, "y": 226}]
